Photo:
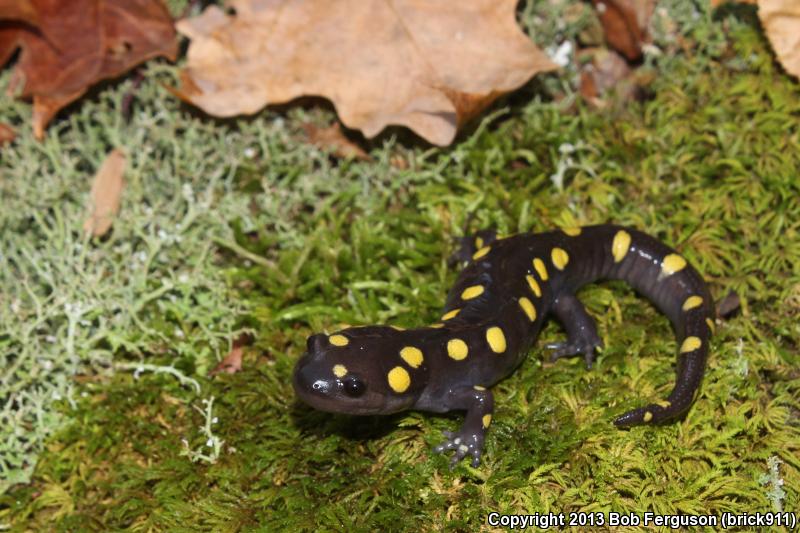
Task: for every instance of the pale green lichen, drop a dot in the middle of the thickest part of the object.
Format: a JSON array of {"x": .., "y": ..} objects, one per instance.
[{"x": 774, "y": 483}]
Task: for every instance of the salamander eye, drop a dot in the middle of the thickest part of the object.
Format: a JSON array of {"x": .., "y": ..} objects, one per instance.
[{"x": 354, "y": 387}]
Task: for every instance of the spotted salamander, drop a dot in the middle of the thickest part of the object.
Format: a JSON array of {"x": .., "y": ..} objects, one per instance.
[{"x": 492, "y": 317}]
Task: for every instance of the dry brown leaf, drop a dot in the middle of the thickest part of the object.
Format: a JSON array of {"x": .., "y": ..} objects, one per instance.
[
  {"x": 106, "y": 194},
  {"x": 232, "y": 363},
  {"x": 426, "y": 65},
  {"x": 625, "y": 23},
  {"x": 781, "y": 21},
  {"x": 334, "y": 140},
  {"x": 7, "y": 134},
  {"x": 74, "y": 44},
  {"x": 18, "y": 10}
]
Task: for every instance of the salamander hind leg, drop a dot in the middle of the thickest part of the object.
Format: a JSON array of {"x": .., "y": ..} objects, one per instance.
[
  {"x": 582, "y": 337},
  {"x": 479, "y": 404}
]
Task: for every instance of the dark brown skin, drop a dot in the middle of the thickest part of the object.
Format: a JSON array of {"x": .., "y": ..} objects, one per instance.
[{"x": 492, "y": 317}]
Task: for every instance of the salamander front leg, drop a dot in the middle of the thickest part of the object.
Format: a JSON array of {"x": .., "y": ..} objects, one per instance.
[
  {"x": 479, "y": 405},
  {"x": 471, "y": 244},
  {"x": 582, "y": 337}
]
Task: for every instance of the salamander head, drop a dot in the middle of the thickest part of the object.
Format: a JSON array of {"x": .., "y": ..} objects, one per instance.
[{"x": 360, "y": 371}]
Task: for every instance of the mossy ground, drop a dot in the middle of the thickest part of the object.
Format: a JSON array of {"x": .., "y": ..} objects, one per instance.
[{"x": 242, "y": 225}]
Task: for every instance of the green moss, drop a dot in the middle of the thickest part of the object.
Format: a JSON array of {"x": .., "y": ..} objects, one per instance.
[{"x": 303, "y": 243}]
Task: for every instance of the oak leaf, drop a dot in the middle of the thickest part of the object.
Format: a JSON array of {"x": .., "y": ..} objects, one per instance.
[
  {"x": 18, "y": 10},
  {"x": 106, "y": 194},
  {"x": 69, "y": 45},
  {"x": 428, "y": 65},
  {"x": 781, "y": 21}
]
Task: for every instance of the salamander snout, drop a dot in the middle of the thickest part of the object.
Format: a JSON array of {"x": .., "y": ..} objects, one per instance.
[{"x": 307, "y": 379}]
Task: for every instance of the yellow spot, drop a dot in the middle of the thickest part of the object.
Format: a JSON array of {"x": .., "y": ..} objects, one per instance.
[
  {"x": 486, "y": 420},
  {"x": 710, "y": 324},
  {"x": 528, "y": 307},
  {"x": 478, "y": 387},
  {"x": 450, "y": 314},
  {"x": 480, "y": 253},
  {"x": 572, "y": 232},
  {"x": 457, "y": 349},
  {"x": 338, "y": 340},
  {"x": 648, "y": 416},
  {"x": 478, "y": 242},
  {"x": 560, "y": 258},
  {"x": 690, "y": 344},
  {"x": 538, "y": 264},
  {"x": 666, "y": 404},
  {"x": 397, "y": 328},
  {"x": 619, "y": 248},
  {"x": 399, "y": 380},
  {"x": 692, "y": 302},
  {"x": 339, "y": 371},
  {"x": 534, "y": 286},
  {"x": 671, "y": 264},
  {"x": 412, "y": 356},
  {"x": 472, "y": 292},
  {"x": 496, "y": 339},
  {"x": 437, "y": 325}
]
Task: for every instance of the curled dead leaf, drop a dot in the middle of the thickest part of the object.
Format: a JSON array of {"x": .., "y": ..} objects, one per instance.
[
  {"x": 68, "y": 46},
  {"x": 106, "y": 194},
  {"x": 425, "y": 65}
]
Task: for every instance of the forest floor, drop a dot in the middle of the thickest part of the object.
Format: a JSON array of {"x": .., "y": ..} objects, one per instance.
[{"x": 241, "y": 225}]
